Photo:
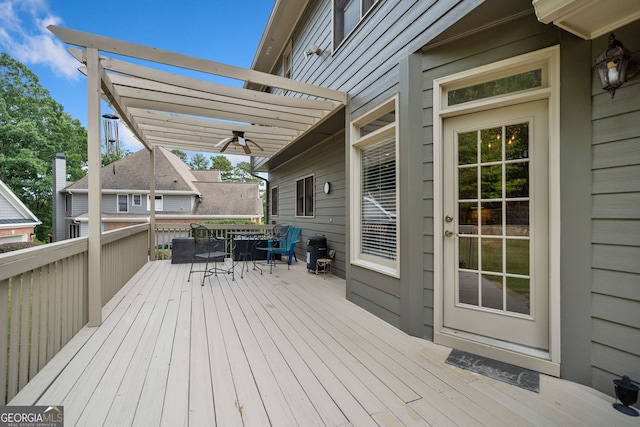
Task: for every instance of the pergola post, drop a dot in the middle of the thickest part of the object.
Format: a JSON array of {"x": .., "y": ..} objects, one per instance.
[
  {"x": 95, "y": 193},
  {"x": 152, "y": 201}
]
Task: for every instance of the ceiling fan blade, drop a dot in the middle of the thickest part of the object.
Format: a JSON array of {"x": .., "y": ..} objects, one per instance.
[
  {"x": 226, "y": 140},
  {"x": 226, "y": 145},
  {"x": 255, "y": 143},
  {"x": 246, "y": 148}
]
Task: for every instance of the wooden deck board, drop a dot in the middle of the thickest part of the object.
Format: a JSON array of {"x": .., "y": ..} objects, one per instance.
[{"x": 277, "y": 349}]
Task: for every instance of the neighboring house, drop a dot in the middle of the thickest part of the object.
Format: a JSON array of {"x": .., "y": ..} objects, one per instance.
[
  {"x": 17, "y": 222},
  {"x": 181, "y": 195},
  {"x": 481, "y": 190}
]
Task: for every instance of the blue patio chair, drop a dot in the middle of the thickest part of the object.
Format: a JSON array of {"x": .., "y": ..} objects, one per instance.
[{"x": 286, "y": 246}]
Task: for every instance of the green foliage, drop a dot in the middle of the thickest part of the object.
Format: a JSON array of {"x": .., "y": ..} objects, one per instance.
[
  {"x": 180, "y": 154},
  {"x": 108, "y": 158},
  {"x": 33, "y": 128},
  {"x": 198, "y": 162},
  {"x": 222, "y": 164}
]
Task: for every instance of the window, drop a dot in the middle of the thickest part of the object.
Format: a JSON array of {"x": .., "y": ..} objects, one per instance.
[
  {"x": 67, "y": 203},
  {"x": 136, "y": 200},
  {"x": 274, "y": 201},
  {"x": 123, "y": 203},
  {"x": 286, "y": 61},
  {"x": 159, "y": 203},
  {"x": 74, "y": 230},
  {"x": 374, "y": 177},
  {"x": 304, "y": 196},
  {"x": 346, "y": 15}
]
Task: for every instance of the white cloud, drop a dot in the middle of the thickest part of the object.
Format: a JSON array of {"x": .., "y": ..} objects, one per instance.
[{"x": 24, "y": 36}]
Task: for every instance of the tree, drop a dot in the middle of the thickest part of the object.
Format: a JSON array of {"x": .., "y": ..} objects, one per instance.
[
  {"x": 181, "y": 154},
  {"x": 198, "y": 162},
  {"x": 33, "y": 128},
  {"x": 108, "y": 158},
  {"x": 222, "y": 164},
  {"x": 242, "y": 173}
]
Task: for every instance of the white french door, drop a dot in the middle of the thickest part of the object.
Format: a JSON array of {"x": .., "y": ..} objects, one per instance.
[{"x": 496, "y": 224}]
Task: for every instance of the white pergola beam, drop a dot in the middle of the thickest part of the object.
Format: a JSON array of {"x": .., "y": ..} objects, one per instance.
[
  {"x": 105, "y": 44},
  {"x": 178, "y": 121}
]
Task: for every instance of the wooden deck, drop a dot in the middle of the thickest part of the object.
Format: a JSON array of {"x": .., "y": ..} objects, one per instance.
[{"x": 284, "y": 349}]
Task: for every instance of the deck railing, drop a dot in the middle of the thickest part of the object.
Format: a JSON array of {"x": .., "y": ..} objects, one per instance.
[
  {"x": 165, "y": 233},
  {"x": 44, "y": 302}
]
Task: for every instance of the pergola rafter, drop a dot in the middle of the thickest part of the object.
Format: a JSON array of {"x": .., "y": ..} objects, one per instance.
[{"x": 173, "y": 110}]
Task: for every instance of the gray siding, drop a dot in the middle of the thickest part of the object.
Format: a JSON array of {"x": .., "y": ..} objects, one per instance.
[
  {"x": 615, "y": 227},
  {"x": 368, "y": 67},
  {"x": 326, "y": 163},
  {"x": 599, "y": 185},
  {"x": 176, "y": 203},
  {"x": 80, "y": 204},
  {"x": 7, "y": 210}
]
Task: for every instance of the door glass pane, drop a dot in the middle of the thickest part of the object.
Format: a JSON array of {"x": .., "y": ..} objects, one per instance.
[
  {"x": 517, "y": 180},
  {"x": 468, "y": 148},
  {"x": 468, "y": 253},
  {"x": 517, "y": 146},
  {"x": 491, "y": 255},
  {"x": 491, "y": 145},
  {"x": 491, "y": 219},
  {"x": 492, "y": 293},
  {"x": 468, "y": 218},
  {"x": 517, "y": 218},
  {"x": 518, "y": 295},
  {"x": 491, "y": 185},
  {"x": 518, "y": 257},
  {"x": 468, "y": 183},
  {"x": 468, "y": 288}
]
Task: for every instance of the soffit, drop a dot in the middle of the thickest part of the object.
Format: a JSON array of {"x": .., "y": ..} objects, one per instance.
[
  {"x": 278, "y": 31},
  {"x": 587, "y": 18},
  {"x": 174, "y": 110}
]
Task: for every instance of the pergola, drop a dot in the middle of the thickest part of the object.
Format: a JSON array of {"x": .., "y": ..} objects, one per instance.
[
  {"x": 172, "y": 109},
  {"x": 163, "y": 108}
]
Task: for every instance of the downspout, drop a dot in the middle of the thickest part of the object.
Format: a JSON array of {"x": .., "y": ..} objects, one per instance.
[{"x": 266, "y": 196}]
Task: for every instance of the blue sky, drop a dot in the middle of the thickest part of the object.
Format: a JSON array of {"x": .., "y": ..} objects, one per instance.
[{"x": 226, "y": 31}]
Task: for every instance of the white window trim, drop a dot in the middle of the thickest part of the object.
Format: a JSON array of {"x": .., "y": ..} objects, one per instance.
[
  {"x": 380, "y": 265},
  {"x": 295, "y": 191},
  {"x": 118, "y": 203},
  {"x": 149, "y": 202},
  {"x": 549, "y": 60},
  {"x": 133, "y": 200}
]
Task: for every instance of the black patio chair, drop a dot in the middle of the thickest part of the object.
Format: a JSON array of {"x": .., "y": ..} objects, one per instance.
[{"x": 209, "y": 248}]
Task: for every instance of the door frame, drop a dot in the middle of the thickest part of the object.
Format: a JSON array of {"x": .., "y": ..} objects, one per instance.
[{"x": 549, "y": 60}]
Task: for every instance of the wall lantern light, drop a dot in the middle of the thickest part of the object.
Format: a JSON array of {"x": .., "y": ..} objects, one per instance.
[{"x": 613, "y": 65}]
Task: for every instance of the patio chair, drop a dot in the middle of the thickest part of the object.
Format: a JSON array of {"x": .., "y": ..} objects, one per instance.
[
  {"x": 286, "y": 247},
  {"x": 210, "y": 249}
]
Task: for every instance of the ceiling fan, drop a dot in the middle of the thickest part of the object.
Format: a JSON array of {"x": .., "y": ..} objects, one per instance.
[{"x": 238, "y": 139}]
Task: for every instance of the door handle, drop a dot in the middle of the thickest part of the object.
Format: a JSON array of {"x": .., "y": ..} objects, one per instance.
[{"x": 448, "y": 233}]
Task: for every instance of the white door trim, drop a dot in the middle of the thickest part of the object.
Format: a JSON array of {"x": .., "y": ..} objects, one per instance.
[{"x": 549, "y": 60}]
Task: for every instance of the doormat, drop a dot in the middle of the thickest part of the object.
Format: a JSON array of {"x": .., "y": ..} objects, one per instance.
[{"x": 510, "y": 374}]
